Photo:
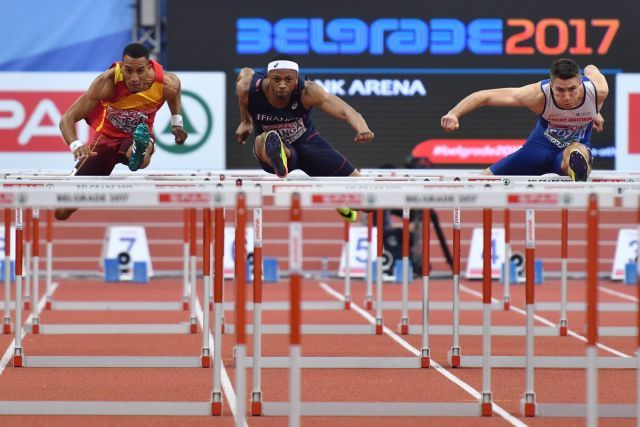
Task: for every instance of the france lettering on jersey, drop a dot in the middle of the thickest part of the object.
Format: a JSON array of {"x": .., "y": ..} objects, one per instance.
[
  {"x": 293, "y": 122},
  {"x": 560, "y": 126}
]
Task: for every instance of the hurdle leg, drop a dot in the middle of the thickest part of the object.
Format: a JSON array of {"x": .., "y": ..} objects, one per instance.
[
  {"x": 35, "y": 280},
  {"x": 425, "y": 352},
  {"x": 380, "y": 237},
  {"x": 27, "y": 260},
  {"x": 256, "y": 391},
  {"x": 218, "y": 277},
  {"x": 592, "y": 307},
  {"x": 295, "y": 279},
  {"x": 185, "y": 261},
  {"x": 368, "y": 299},
  {"x": 404, "y": 320},
  {"x": 506, "y": 294},
  {"x": 528, "y": 402},
  {"x": 455, "y": 352},
  {"x": 205, "y": 356},
  {"x": 49, "y": 262},
  {"x": 240, "y": 309},
  {"x": 6, "y": 323},
  {"x": 192, "y": 267},
  {"x": 26, "y": 302},
  {"x": 564, "y": 324},
  {"x": 486, "y": 399},
  {"x": 347, "y": 267},
  {"x": 18, "y": 354}
]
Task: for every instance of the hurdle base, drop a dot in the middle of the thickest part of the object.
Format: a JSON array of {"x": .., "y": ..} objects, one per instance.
[
  {"x": 528, "y": 405},
  {"x": 205, "y": 358},
  {"x": 256, "y": 404},
  {"x": 185, "y": 303},
  {"x": 193, "y": 325},
  {"x": 425, "y": 359},
  {"x": 486, "y": 409},
  {"x": 563, "y": 328},
  {"x": 404, "y": 326},
  {"x": 368, "y": 303},
  {"x": 17, "y": 358},
  {"x": 506, "y": 303},
  {"x": 6, "y": 325},
  {"x": 48, "y": 305},
  {"x": 35, "y": 326},
  {"x": 27, "y": 304},
  {"x": 347, "y": 303},
  {"x": 216, "y": 403},
  {"x": 379, "y": 326},
  {"x": 453, "y": 356}
]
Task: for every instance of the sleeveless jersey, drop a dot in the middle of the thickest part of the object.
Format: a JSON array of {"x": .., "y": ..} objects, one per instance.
[
  {"x": 560, "y": 126},
  {"x": 293, "y": 122},
  {"x": 118, "y": 117}
]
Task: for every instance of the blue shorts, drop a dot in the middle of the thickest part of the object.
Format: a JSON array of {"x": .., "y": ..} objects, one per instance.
[
  {"x": 533, "y": 158},
  {"x": 315, "y": 157}
]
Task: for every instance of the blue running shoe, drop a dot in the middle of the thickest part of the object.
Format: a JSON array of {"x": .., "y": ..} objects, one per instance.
[
  {"x": 141, "y": 140},
  {"x": 349, "y": 215},
  {"x": 275, "y": 151},
  {"x": 578, "y": 166}
]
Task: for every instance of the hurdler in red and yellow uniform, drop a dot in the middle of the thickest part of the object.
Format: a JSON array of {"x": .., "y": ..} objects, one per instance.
[
  {"x": 118, "y": 117},
  {"x": 120, "y": 100}
]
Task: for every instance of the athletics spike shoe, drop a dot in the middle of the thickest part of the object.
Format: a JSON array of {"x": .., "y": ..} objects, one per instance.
[
  {"x": 578, "y": 166},
  {"x": 275, "y": 151},
  {"x": 141, "y": 141},
  {"x": 349, "y": 215}
]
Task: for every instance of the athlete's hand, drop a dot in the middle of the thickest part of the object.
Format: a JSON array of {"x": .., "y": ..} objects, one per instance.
[
  {"x": 449, "y": 122},
  {"x": 364, "y": 136},
  {"x": 83, "y": 152},
  {"x": 598, "y": 123},
  {"x": 242, "y": 133},
  {"x": 179, "y": 133}
]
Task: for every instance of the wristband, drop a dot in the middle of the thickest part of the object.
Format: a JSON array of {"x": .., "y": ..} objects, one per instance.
[
  {"x": 176, "y": 120},
  {"x": 75, "y": 145}
]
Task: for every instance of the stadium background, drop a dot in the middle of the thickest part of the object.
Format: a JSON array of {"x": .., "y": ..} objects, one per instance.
[{"x": 443, "y": 63}]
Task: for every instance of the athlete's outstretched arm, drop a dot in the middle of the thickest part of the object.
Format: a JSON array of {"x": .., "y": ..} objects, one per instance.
[
  {"x": 101, "y": 88},
  {"x": 243, "y": 83},
  {"x": 526, "y": 96},
  {"x": 172, "y": 93},
  {"x": 314, "y": 95},
  {"x": 599, "y": 81}
]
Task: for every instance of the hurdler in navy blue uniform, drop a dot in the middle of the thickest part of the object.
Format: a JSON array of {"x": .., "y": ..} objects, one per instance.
[
  {"x": 568, "y": 108},
  {"x": 277, "y": 107}
]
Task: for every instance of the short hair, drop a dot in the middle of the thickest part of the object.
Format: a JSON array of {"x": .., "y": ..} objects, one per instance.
[
  {"x": 136, "y": 50},
  {"x": 565, "y": 69}
]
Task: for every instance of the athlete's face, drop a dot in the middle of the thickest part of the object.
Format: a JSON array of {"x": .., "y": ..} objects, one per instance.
[
  {"x": 136, "y": 73},
  {"x": 283, "y": 82},
  {"x": 567, "y": 93}
]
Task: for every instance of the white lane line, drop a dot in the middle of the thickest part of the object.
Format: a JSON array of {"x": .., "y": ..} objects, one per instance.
[
  {"x": 8, "y": 355},
  {"x": 547, "y": 322},
  {"x": 227, "y": 387},
  {"x": 618, "y": 294},
  {"x": 439, "y": 368}
]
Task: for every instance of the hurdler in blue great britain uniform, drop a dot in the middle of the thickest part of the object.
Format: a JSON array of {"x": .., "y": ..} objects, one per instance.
[
  {"x": 277, "y": 105},
  {"x": 568, "y": 107}
]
